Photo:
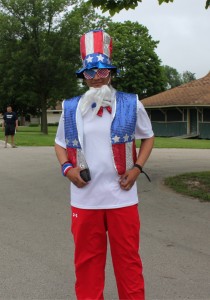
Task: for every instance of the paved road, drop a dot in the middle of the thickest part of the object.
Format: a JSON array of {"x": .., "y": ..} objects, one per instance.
[{"x": 36, "y": 251}]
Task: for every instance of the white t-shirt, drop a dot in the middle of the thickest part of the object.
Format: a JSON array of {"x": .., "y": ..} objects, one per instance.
[{"x": 103, "y": 191}]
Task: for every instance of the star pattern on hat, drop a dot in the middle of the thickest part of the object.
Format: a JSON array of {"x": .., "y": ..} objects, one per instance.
[
  {"x": 96, "y": 51},
  {"x": 89, "y": 58},
  {"x": 100, "y": 57},
  {"x": 94, "y": 58}
]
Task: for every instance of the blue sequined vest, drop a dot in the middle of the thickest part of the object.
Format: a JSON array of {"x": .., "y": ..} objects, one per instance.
[{"x": 122, "y": 132}]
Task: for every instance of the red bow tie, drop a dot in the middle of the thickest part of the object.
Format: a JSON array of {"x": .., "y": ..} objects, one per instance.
[{"x": 100, "y": 111}]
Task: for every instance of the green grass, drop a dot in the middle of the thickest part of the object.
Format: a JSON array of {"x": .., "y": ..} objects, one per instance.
[
  {"x": 164, "y": 142},
  {"x": 32, "y": 136},
  {"x": 181, "y": 143},
  {"x": 195, "y": 184}
]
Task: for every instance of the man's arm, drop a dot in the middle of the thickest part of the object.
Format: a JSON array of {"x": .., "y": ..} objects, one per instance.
[
  {"x": 145, "y": 151},
  {"x": 61, "y": 154},
  {"x": 74, "y": 173},
  {"x": 128, "y": 179}
]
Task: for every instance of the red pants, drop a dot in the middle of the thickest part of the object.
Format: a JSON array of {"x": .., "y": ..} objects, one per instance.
[{"x": 89, "y": 228}]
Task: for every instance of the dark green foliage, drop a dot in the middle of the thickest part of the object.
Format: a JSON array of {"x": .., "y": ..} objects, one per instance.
[
  {"x": 39, "y": 52},
  {"x": 134, "y": 55},
  {"x": 115, "y": 6},
  {"x": 174, "y": 78}
]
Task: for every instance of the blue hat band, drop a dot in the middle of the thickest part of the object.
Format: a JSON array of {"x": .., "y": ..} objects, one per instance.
[{"x": 96, "y": 58}]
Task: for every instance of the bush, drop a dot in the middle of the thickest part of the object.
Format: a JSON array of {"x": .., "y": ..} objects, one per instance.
[{"x": 53, "y": 124}]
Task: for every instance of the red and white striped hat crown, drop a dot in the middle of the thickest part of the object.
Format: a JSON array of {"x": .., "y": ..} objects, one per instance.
[{"x": 96, "y": 51}]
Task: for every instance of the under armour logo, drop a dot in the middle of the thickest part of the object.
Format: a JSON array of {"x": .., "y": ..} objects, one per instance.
[{"x": 75, "y": 215}]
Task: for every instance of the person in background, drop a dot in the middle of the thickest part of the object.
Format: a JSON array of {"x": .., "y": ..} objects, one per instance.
[
  {"x": 95, "y": 146},
  {"x": 10, "y": 125}
]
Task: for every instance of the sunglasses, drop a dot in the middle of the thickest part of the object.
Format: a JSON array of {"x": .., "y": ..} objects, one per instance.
[{"x": 101, "y": 73}]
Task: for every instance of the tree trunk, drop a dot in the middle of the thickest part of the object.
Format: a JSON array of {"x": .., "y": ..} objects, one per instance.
[
  {"x": 22, "y": 120},
  {"x": 44, "y": 127}
]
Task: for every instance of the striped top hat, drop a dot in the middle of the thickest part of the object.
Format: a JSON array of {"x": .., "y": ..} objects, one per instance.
[{"x": 96, "y": 51}]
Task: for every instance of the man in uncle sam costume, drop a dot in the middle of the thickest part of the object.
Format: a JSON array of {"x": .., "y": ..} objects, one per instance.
[{"x": 95, "y": 146}]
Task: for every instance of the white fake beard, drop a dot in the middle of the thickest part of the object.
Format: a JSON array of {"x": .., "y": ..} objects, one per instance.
[{"x": 100, "y": 96}]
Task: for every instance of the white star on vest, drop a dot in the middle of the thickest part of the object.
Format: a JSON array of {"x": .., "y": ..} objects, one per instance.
[
  {"x": 116, "y": 139},
  {"x": 133, "y": 136},
  {"x": 126, "y": 138},
  {"x": 75, "y": 142}
]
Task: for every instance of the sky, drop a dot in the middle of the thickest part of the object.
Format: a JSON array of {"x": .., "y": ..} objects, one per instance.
[{"x": 182, "y": 29}]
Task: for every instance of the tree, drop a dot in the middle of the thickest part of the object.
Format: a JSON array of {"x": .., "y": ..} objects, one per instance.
[
  {"x": 134, "y": 55},
  {"x": 29, "y": 50},
  {"x": 174, "y": 78},
  {"x": 188, "y": 76},
  {"x": 39, "y": 51},
  {"x": 115, "y": 6}
]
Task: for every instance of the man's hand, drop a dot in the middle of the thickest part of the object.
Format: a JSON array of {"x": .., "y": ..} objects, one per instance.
[
  {"x": 74, "y": 176},
  {"x": 128, "y": 179}
]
